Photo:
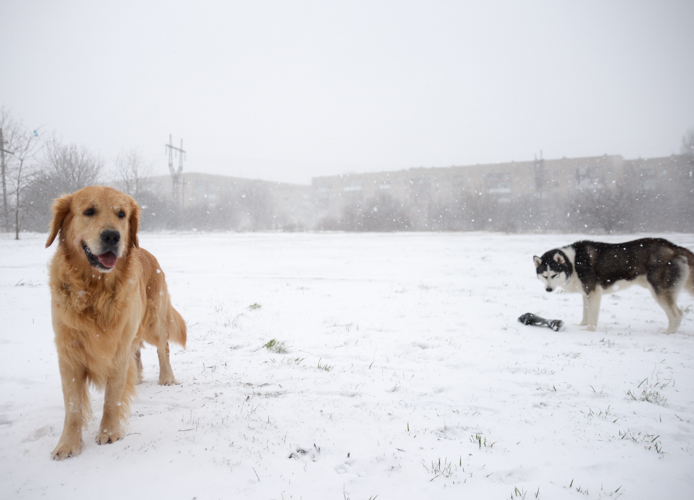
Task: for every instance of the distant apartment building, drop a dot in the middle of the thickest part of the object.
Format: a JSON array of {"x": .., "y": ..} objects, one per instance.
[
  {"x": 417, "y": 189},
  {"x": 420, "y": 193}
]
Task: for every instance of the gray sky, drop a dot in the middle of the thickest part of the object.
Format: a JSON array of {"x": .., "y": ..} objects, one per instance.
[{"x": 289, "y": 90}]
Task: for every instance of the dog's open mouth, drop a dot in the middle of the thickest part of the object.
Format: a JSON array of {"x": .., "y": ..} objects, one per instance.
[{"x": 104, "y": 261}]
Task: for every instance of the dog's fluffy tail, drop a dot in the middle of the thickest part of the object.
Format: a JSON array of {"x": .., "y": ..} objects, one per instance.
[{"x": 177, "y": 327}]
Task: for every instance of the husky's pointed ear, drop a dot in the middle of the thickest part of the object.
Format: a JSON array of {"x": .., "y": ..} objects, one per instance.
[
  {"x": 559, "y": 259},
  {"x": 61, "y": 209},
  {"x": 134, "y": 223},
  {"x": 537, "y": 260}
]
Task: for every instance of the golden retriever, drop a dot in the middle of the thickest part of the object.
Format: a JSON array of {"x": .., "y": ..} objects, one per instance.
[{"x": 108, "y": 295}]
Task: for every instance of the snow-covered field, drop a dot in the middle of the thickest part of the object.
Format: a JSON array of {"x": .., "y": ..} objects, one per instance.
[{"x": 406, "y": 376}]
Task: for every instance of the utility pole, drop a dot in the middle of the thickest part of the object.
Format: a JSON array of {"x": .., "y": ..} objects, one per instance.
[{"x": 175, "y": 175}]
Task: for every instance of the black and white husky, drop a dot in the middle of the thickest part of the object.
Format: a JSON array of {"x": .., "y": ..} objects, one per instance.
[{"x": 592, "y": 268}]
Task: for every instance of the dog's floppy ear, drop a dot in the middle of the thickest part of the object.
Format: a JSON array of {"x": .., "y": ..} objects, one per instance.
[
  {"x": 61, "y": 208},
  {"x": 537, "y": 260},
  {"x": 559, "y": 259},
  {"x": 134, "y": 223}
]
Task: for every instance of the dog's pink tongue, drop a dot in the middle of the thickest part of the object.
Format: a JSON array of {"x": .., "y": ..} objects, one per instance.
[{"x": 108, "y": 259}]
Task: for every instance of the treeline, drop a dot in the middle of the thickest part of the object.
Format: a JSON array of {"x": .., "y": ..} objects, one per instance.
[
  {"x": 623, "y": 208},
  {"x": 248, "y": 205},
  {"x": 37, "y": 169}
]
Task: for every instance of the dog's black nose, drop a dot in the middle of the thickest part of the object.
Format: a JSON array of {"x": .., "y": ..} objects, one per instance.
[
  {"x": 110, "y": 238},
  {"x": 549, "y": 289}
]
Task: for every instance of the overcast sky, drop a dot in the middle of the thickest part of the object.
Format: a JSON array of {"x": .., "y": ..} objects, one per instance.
[{"x": 289, "y": 90}]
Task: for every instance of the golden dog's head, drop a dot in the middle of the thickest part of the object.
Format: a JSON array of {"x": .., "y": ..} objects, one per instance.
[{"x": 96, "y": 223}]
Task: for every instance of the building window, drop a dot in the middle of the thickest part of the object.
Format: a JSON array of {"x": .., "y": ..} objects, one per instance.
[
  {"x": 648, "y": 178},
  {"x": 498, "y": 183},
  {"x": 352, "y": 186},
  {"x": 589, "y": 176}
]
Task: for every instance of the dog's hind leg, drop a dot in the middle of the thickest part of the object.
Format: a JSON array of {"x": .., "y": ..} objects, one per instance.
[
  {"x": 667, "y": 300},
  {"x": 584, "y": 321},
  {"x": 593, "y": 310},
  {"x": 138, "y": 363},
  {"x": 166, "y": 376}
]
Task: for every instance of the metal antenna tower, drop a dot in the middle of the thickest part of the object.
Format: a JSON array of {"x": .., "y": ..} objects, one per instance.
[{"x": 176, "y": 194}]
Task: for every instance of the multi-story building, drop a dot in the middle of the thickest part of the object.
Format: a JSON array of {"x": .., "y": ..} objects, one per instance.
[
  {"x": 556, "y": 180},
  {"x": 422, "y": 193}
]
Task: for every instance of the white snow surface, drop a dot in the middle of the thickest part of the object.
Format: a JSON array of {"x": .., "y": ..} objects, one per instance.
[{"x": 406, "y": 376}]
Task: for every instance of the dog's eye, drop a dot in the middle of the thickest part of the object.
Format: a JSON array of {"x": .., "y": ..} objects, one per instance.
[
  {"x": 121, "y": 214},
  {"x": 88, "y": 212},
  {"x": 554, "y": 276}
]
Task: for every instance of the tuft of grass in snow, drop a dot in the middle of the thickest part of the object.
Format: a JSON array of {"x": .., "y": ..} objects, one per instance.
[
  {"x": 438, "y": 468},
  {"x": 579, "y": 489},
  {"x": 607, "y": 342},
  {"x": 254, "y": 306},
  {"x": 346, "y": 496},
  {"x": 480, "y": 441},
  {"x": 603, "y": 414},
  {"x": 649, "y": 441},
  {"x": 276, "y": 347},
  {"x": 324, "y": 367},
  {"x": 650, "y": 393},
  {"x": 519, "y": 493}
]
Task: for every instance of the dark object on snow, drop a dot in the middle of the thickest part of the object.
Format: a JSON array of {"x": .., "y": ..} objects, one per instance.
[{"x": 531, "y": 319}]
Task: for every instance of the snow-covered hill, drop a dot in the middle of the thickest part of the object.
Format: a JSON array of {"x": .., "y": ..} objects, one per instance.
[{"x": 398, "y": 370}]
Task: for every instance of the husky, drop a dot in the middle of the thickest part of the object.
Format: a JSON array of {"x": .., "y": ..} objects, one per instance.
[{"x": 593, "y": 268}]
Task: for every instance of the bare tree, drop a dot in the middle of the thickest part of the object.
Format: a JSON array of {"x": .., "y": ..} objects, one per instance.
[
  {"x": 7, "y": 127},
  {"x": 133, "y": 172},
  {"x": 687, "y": 148},
  {"x": 21, "y": 148},
  {"x": 70, "y": 167}
]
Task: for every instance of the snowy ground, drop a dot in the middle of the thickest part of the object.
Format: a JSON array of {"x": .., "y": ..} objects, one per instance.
[{"x": 406, "y": 376}]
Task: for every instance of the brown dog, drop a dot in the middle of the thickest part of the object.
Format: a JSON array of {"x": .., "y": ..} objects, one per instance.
[{"x": 107, "y": 297}]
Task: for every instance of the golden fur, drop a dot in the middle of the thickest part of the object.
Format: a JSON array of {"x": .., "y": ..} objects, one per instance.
[{"x": 103, "y": 308}]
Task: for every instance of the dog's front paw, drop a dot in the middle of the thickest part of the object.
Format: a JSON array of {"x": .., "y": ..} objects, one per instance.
[
  {"x": 167, "y": 381},
  {"x": 106, "y": 437},
  {"x": 66, "y": 450}
]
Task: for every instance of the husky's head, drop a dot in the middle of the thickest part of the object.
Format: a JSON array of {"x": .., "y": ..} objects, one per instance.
[{"x": 554, "y": 269}]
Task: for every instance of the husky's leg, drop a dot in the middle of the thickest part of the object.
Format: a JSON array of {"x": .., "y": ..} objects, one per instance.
[
  {"x": 593, "y": 309},
  {"x": 667, "y": 300},
  {"x": 584, "y": 321}
]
